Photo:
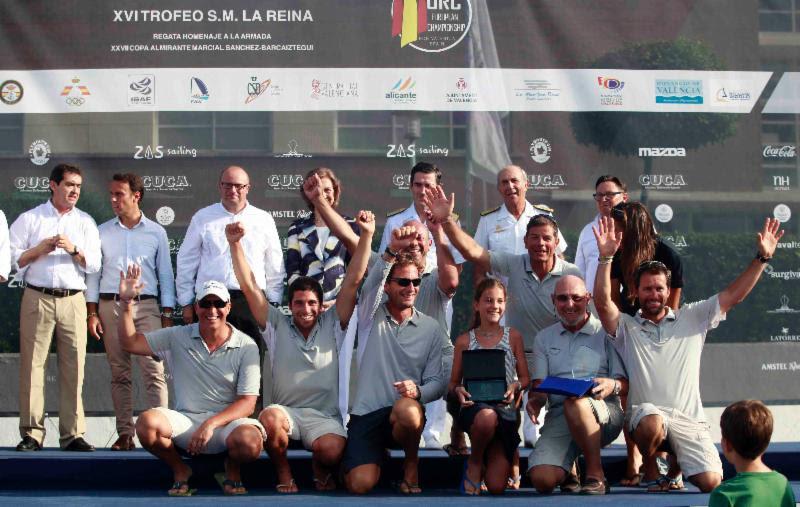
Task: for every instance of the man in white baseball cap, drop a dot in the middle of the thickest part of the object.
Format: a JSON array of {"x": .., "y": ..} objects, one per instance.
[{"x": 216, "y": 376}]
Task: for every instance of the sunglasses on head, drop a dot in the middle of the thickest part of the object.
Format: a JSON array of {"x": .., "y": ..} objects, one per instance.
[
  {"x": 208, "y": 303},
  {"x": 563, "y": 298},
  {"x": 405, "y": 282}
]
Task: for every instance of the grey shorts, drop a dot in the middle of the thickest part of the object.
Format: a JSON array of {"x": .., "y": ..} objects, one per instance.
[
  {"x": 184, "y": 425},
  {"x": 690, "y": 440},
  {"x": 307, "y": 424},
  {"x": 556, "y": 446}
]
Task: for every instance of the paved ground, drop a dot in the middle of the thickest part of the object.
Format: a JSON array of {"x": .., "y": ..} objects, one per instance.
[{"x": 619, "y": 496}]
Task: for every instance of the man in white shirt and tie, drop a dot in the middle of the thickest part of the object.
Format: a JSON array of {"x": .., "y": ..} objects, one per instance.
[
  {"x": 205, "y": 255},
  {"x": 54, "y": 246},
  {"x": 131, "y": 238}
]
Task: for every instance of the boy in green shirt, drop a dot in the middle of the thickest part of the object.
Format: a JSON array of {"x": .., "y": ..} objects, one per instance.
[{"x": 746, "y": 430}]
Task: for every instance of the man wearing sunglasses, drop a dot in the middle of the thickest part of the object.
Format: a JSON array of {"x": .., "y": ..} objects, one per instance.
[
  {"x": 216, "y": 378},
  {"x": 661, "y": 350},
  {"x": 575, "y": 347},
  {"x": 204, "y": 254},
  {"x": 438, "y": 286},
  {"x": 608, "y": 192},
  {"x": 400, "y": 368}
]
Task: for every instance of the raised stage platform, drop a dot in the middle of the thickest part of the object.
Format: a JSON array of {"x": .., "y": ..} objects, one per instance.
[{"x": 53, "y": 477}]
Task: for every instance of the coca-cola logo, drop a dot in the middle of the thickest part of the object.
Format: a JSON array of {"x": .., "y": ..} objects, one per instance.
[{"x": 787, "y": 151}]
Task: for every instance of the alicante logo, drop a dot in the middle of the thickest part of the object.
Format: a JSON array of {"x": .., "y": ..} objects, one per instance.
[
  {"x": 431, "y": 26},
  {"x": 142, "y": 90},
  {"x": 39, "y": 152},
  {"x": 403, "y": 91},
  {"x": 75, "y": 93},
  {"x": 11, "y": 92}
]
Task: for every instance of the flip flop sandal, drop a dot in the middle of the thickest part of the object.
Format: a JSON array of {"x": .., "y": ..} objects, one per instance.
[
  {"x": 322, "y": 484},
  {"x": 406, "y": 488},
  {"x": 177, "y": 486},
  {"x": 634, "y": 481},
  {"x": 455, "y": 452},
  {"x": 514, "y": 482},
  {"x": 288, "y": 485},
  {"x": 664, "y": 484},
  {"x": 476, "y": 488},
  {"x": 233, "y": 485}
]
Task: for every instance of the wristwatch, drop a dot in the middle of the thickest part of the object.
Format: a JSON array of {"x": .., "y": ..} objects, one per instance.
[
  {"x": 390, "y": 253},
  {"x": 762, "y": 259},
  {"x": 74, "y": 251},
  {"x": 617, "y": 388}
]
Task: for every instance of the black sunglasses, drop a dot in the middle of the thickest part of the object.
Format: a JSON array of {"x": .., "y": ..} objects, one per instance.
[
  {"x": 405, "y": 282},
  {"x": 563, "y": 298},
  {"x": 208, "y": 303}
]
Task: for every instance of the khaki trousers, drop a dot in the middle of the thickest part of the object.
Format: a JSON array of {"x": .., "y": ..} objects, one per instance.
[
  {"x": 146, "y": 317},
  {"x": 40, "y": 316}
]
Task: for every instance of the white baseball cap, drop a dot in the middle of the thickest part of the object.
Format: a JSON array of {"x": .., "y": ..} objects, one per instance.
[{"x": 216, "y": 288}]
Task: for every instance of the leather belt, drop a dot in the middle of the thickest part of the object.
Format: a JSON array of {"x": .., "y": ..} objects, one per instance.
[
  {"x": 59, "y": 293},
  {"x": 112, "y": 296}
]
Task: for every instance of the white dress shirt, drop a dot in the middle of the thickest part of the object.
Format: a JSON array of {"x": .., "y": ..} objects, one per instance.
[
  {"x": 397, "y": 220},
  {"x": 205, "y": 255},
  {"x": 5, "y": 249},
  {"x": 144, "y": 244},
  {"x": 58, "y": 269},
  {"x": 499, "y": 231},
  {"x": 587, "y": 253}
]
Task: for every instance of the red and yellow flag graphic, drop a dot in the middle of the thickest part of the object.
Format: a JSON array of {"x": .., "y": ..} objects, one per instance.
[{"x": 409, "y": 19}]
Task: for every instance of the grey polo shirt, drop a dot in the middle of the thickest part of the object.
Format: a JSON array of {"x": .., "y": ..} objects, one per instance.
[
  {"x": 431, "y": 301},
  {"x": 585, "y": 353},
  {"x": 530, "y": 308},
  {"x": 391, "y": 351},
  {"x": 663, "y": 360},
  {"x": 206, "y": 382},
  {"x": 305, "y": 372}
]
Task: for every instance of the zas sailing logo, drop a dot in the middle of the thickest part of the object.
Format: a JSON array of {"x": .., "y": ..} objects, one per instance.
[
  {"x": 75, "y": 93},
  {"x": 431, "y": 26}
]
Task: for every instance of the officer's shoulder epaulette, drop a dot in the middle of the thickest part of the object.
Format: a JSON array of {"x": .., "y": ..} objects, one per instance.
[
  {"x": 489, "y": 211},
  {"x": 395, "y": 212},
  {"x": 544, "y": 207}
]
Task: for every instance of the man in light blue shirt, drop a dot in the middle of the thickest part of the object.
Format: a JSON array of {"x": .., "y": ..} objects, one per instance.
[{"x": 131, "y": 238}]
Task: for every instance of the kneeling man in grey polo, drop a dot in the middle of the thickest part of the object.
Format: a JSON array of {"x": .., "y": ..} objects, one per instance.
[
  {"x": 576, "y": 347},
  {"x": 216, "y": 377},
  {"x": 661, "y": 349},
  {"x": 304, "y": 355}
]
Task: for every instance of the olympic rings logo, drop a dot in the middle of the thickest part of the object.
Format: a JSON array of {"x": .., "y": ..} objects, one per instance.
[{"x": 75, "y": 101}]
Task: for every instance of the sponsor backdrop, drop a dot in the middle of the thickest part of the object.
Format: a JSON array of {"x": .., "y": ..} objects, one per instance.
[{"x": 694, "y": 104}]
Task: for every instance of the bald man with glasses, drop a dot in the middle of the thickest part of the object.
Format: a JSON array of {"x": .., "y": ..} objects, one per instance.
[{"x": 205, "y": 254}]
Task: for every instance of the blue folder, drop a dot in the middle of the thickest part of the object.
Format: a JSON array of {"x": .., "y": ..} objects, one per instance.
[{"x": 565, "y": 386}]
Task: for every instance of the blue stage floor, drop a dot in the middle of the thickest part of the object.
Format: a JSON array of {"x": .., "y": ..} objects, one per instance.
[{"x": 56, "y": 478}]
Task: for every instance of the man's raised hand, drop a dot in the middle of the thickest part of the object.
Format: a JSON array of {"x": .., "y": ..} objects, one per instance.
[
  {"x": 608, "y": 240},
  {"x": 234, "y": 232},
  {"x": 129, "y": 284},
  {"x": 438, "y": 203},
  {"x": 768, "y": 237},
  {"x": 365, "y": 221},
  {"x": 402, "y": 238}
]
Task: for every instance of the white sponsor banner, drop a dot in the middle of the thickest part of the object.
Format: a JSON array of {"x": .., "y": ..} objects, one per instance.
[
  {"x": 785, "y": 98},
  {"x": 424, "y": 89}
]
